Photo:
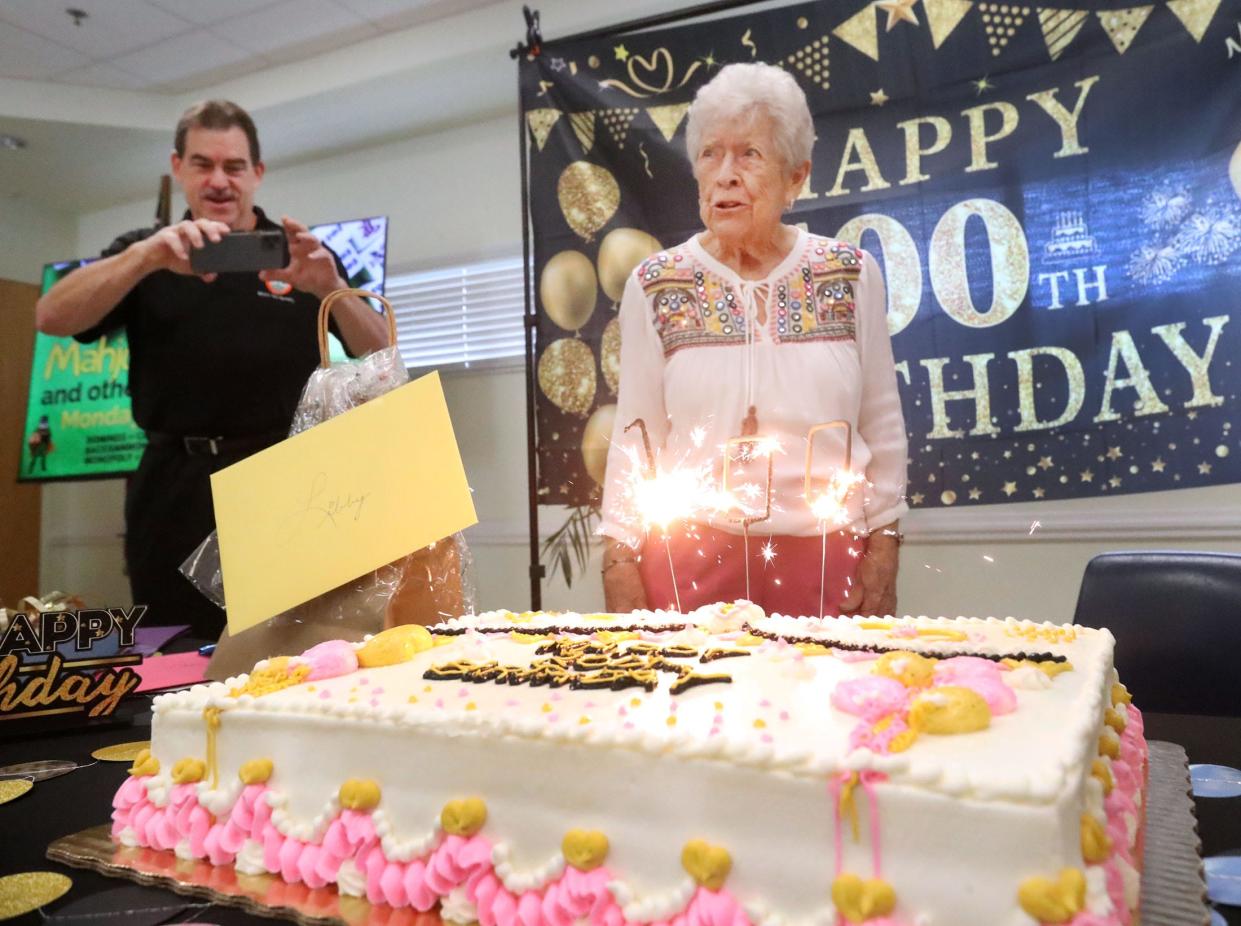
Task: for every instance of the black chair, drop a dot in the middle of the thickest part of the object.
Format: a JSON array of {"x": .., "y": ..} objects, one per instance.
[{"x": 1176, "y": 617}]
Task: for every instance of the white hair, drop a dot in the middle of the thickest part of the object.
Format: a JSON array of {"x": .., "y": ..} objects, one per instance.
[{"x": 739, "y": 90}]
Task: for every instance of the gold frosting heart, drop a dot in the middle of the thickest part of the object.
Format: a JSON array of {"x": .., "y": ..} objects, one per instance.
[
  {"x": 464, "y": 817},
  {"x": 708, "y": 865},
  {"x": 858, "y": 901},
  {"x": 188, "y": 771},
  {"x": 1054, "y": 901},
  {"x": 1096, "y": 844},
  {"x": 360, "y": 794},
  {"x": 255, "y": 772},
  {"x": 584, "y": 849},
  {"x": 144, "y": 764}
]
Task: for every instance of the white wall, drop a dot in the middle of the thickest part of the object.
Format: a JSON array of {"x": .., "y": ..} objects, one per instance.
[
  {"x": 454, "y": 196},
  {"x": 31, "y": 237}
]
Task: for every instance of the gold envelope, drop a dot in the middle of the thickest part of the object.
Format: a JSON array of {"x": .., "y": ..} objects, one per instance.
[{"x": 345, "y": 497}]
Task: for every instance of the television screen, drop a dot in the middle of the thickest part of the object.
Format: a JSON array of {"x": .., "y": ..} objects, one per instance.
[{"x": 78, "y": 419}]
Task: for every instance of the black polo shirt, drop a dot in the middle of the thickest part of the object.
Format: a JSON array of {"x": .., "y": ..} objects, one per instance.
[{"x": 221, "y": 359}]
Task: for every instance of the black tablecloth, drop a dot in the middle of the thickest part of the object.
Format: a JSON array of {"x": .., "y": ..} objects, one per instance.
[{"x": 73, "y": 802}]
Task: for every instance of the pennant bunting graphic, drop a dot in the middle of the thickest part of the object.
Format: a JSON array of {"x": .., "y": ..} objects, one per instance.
[
  {"x": 811, "y": 61},
  {"x": 1060, "y": 27},
  {"x": 942, "y": 16},
  {"x": 1122, "y": 26},
  {"x": 541, "y": 122},
  {"x": 668, "y": 118},
  {"x": 1195, "y": 15},
  {"x": 1002, "y": 21},
  {"x": 861, "y": 30},
  {"x": 618, "y": 122},
  {"x": 583, "y": 124}
]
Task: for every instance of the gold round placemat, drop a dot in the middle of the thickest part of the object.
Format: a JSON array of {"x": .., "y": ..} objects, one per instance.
[
  {"x": 14, "y": 788},
  {"x": 121, "y": 752},
  {"x": 30, "y": 890}
]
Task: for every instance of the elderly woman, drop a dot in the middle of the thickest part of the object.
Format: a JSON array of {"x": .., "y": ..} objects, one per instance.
[{"x": 754, "y": 327}]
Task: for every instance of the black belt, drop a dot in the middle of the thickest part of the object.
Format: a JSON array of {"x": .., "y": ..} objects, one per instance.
[{"x": 197, "y": 446}]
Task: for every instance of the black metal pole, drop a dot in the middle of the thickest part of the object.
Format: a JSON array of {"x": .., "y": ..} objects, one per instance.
[{"x": 532, "y": 476}]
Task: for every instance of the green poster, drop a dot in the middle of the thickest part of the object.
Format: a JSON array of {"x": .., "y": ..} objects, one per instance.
[{"x": 78, "y": 418}]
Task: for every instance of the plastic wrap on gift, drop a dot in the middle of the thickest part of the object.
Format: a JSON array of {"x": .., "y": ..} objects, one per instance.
[{"x": 423, "y": 587}]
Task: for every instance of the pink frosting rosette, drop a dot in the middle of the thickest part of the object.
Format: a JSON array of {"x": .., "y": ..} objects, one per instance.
[{"x": 870, "y": 697}]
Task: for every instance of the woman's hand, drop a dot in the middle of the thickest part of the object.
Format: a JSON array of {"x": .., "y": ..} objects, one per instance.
[
  {"x": 622, "y": 582},
  {"x": 874, "y": 589}
]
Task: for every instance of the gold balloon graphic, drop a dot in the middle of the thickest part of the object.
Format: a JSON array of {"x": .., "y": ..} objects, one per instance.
[
  {"x": 1234, "y": 171},
  {"x": 567, "y": 375},
  {"x": 568, "y": 289},
  {"x": 622, "y": 250},
  {"x": 596, "y": 438},
  {"x": 609, "y": 355},
  {"x": 589, "y": 196}
]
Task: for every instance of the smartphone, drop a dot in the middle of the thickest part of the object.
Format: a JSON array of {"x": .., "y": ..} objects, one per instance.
[{"x": 242, "y": 252}]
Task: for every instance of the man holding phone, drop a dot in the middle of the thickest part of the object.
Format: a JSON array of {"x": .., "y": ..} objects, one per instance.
[{"x": 217, "y": 359}]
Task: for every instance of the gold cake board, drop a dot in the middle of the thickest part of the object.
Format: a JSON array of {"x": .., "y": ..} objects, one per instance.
[{"x": 1173, "y": 886}]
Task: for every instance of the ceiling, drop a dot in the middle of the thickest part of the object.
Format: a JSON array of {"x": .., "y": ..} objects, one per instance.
[
  {"x": 96, "y": 100},
  {"x": 174, "y": 46}
]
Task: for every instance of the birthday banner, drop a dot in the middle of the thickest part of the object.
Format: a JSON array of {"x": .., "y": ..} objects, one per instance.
[{"x": 1054, "y": 194}]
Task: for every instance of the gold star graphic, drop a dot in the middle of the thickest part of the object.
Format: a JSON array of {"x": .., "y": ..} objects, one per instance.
[
  {"x": 1009, "y": 488},
  {"x": 982, "y": 85},
  {"x": 917, "y": 498},
  {"x": 974, "y": 455},
  {"x": 898, "y": 10},
  {"x": 1114, "y": 482},
  {"x": 878, "y": 97},
  {"x": 1045, "y": 464},
  {"x": 1039, "y": 493},
  {"x": 1192, "y": 416},
  {"x": 1204, "y": 469},
  {"x": 1158, "y": 465},
  {"x": 1087, "y": 476},
  {"x": 1113, "y": 453},
  {"x": 1008, "y": 454},
  {"x": 622, "y": 53},
  {"x": 975, "y": 494},
  {"x": 709, "y": 60}
]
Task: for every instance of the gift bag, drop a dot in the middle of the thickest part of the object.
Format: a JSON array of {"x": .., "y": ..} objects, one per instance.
[{"x": 423, "y": 587}]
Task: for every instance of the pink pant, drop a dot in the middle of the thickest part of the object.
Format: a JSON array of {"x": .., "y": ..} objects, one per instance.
[{"x": 709, "y": 566}]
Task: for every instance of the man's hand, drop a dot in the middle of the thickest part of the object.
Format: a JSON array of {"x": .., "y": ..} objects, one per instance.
[
  {"x": 874, "y": 588},
  {"x": 170, "y": 247},
  {"x": 312, "y": 268}
]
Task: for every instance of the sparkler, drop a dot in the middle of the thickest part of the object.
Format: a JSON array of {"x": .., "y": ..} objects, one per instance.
[
  {"x": 663, "y": 497},
  {"x": 828, "y": 505},
  {"x": 748, "y": 448}
]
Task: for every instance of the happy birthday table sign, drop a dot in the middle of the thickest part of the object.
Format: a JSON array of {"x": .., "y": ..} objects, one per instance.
[{"x": 65, "y": 663}]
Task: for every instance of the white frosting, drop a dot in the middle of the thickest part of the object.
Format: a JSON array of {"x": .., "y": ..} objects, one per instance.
[
  {"x": 456, "y": 907},
  {"x": 249, "y": 860},
  {"x": 642, "y": 766},
  {"x": 518, "y": 882},
  {"x": 350, "y": 880},
  {"x": 182, "y": 850},
  {"x": 127, "y": 837},
  {"x": 652, "y": 906}
]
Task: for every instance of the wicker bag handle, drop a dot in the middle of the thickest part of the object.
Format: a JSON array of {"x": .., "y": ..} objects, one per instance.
[{"x": 325, "y": 311}]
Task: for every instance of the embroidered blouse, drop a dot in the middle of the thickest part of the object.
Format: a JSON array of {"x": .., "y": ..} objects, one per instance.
[{"x": 694, "y": 359}]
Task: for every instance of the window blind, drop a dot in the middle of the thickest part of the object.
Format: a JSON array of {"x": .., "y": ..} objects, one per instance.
[{"x": 459, "y": 315}]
